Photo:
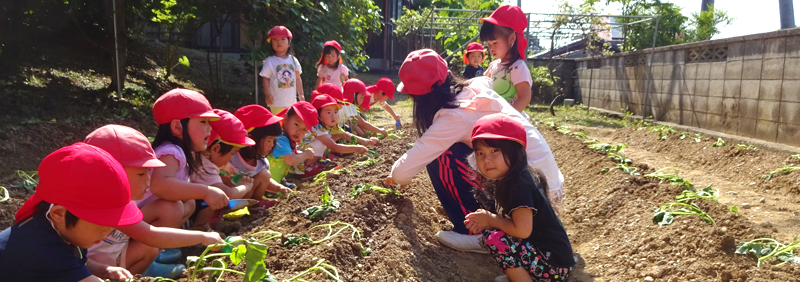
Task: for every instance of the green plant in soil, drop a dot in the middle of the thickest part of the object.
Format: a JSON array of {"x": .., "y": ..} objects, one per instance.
[
  {"x": 581, "y": 134},
  {"x": 663, "y": 131},
  {"x": 719, "y": 143},
  {"x": 28, "y": 180},
  {"x": 614, "y": 152},
  {"x": 670, "y": 174},
  {"x": 796, "y": 156},
  {"x": 630, "y": 170},
  {"x": 324, "y": 175},
  {"x": 369, "y": 187},
  {"x": 746, "y": 147},
  {"x": 705, "y": 193},
  {"x": 564, "y": 129},
  {"x": 252, "y": 251},
  {"x": 5, "y": 196},
  {"x": 321, "y": 266},
  {"x": 697, "y": 136},
  {"x": 665, "y": 214},
  {"x": 369, "y": 161},
  {"x": 329, "y": 204},
  {"x": 766, "y": 249},
  {"x": 784, "y": 170}
]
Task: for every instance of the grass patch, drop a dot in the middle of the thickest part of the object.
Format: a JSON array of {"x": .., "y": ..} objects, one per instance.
[{"x": 579, "y": 115}]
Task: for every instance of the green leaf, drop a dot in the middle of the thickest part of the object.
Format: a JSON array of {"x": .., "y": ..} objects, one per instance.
[
  {"x": 236, "y": 178},
  {"x": 184, "y": 61},
  {"x": 365, "y": 252},
  {"x": 663, "y": 217},
  {"x": 217, "y": 263},
  {"x": 789, "y": 257},
  {"x": 294, "y": 241},
  {"x": 254, "y": 260},
  {"x": 238, "y": 254},
  {"x": 734, "y": 209},
  {"x": 192, "y": 261},
  {"x": 269, "y": 278}
]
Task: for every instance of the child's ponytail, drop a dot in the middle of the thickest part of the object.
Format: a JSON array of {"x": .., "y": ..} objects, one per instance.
[{"x": 164, "y": 134}]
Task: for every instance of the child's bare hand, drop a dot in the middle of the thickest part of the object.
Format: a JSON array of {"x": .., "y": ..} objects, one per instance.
[
  {"x": 210, "y": 238},
  {"x": 361, "y": 149},
  {"x": 374, "y": 140},
  {"x": 216, "y": 198},
  {"x": 479, "y": 220},
  {"x": 284, "y": 190},
  {"x": 226, "y": 179},
  {"x": 383, "y": 131},
  {"x": 118, "y": 273},
  {"x": 247, "y": 182},
  {"x": 308, "y": 153},
  {"x": 268, "y": 98}
]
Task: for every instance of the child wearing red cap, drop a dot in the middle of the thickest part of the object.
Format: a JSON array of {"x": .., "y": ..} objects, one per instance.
[
  {"x": 82, "y": 194},
  {"x": 297, "y": 122},
  {"x": 319, "y": 139},
  {"x": 336, "y": 131},
  {"x": 356, "y": 95},
  {"x": 183, "y": 118},
  {"x": 263, "y": 127},
  {"x": 524, "y": 236},
  {"x": 473, "y": 57},
  {"x": 445, "y": 110},
  {"x": 281, "y": 72},
  {"x": 135, "y": 246},
  {"x": 503, "y": 31},
  {"x": 382, "y": 91},
  {"x": 330, "y": 68}
]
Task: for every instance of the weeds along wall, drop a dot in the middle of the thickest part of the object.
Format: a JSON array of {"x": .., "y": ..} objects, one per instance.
[{"x": 747, "y": 86}]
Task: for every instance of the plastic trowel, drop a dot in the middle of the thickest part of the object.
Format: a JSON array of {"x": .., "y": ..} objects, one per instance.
[{"x": 236, "y": 204}]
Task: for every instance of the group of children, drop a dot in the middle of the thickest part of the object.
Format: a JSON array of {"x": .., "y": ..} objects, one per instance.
[{"x": 131, "y": 203}]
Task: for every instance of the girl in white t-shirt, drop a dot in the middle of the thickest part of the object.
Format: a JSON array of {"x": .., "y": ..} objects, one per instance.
[
  {"x": 281, "y": 72},
  {"x": 503, "y": 33},
  {"x": 330, "y": 68}
]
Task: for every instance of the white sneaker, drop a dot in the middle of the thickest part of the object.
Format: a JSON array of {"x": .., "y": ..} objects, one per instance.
[
  {"x": 461, "y": 242},
  {"x": 501, "y": 278}
]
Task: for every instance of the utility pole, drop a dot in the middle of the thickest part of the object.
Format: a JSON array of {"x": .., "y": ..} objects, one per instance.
[
  {"x": 706, "y": 3},
  {"x": 787, "y": 13},
  {"x": 519, "y": 3}
]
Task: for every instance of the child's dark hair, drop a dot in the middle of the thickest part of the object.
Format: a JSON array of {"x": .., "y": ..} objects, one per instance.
[
  {"x": 442, "y": 97},
  {"x": 70, "y": 220},
  {"x": 325, "y": 51},
  {"x": 519, "y": 176},
  {"x": 490, "y": 31},
  {"x": 258, "y": 134},
  {"x": 164, "y": 134},
  {"x": 224, "y": 148}
]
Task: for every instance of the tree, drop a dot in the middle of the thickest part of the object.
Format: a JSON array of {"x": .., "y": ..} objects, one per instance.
[
  {"x": 706, "y": 23},
  {"x": 177, "y": 21}
]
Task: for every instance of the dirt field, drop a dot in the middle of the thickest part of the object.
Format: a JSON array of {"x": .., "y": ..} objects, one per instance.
[{"x": 608, "y": 216}]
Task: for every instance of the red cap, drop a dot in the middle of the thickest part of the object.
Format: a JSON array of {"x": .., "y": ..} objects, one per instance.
[
  {"x": 353, "y": 86},
  {"x": 499, "y": 126},
  {"x": 89, "y": 182},
  {"x": 474, "y": 47},
  {"x": 306, "y": 112},
  {"x": 330, "y": 89},
  {"x": 229, "y": 130},
  {"x": 324, "y": 100},
  {"x": 335, "y": 45},
  {"x": 127, "y": 145},
  {"x": 420, "y": 71},
  {"x": 253, "y": 116},
  {"x": 384, "y": 84},
  {"x": 180, "y": 104},
  {"x": 511, "y": 17},
  {"x": 279, "y": 32}
]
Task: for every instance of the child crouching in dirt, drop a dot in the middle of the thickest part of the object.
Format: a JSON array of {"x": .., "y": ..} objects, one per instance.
[
  {"x": 379, "y": 93},
  {"x": 319, "y": 139},
  {"x": 82, "y": 194},
  {"x": 136, "y": 246},
  {"x": 251, "y": 161},
  {"x": 337, "y": 133},
  {"x": 525, "y": 237},
  {"x": 298, "y": 119},
  {"x": 356, "y": 95}
]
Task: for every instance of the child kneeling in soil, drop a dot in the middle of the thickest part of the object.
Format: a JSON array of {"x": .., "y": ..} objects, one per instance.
[
  {"x": 525, "y": 237},
  {"x": 263, "y": 128},
  {"x": 82, "y": 195},
  {"x": 337, "y": 133},
  {"x": 298, "y": 119},
  {"x": 136, "y": 246},
  {"x": 356, "y": 95},
  {"x": 382, "y": 91},
  {"x": 319, "y": 139}
]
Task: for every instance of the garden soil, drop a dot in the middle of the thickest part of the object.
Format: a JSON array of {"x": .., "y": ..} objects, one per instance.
[{"x": 608, "y": 217}]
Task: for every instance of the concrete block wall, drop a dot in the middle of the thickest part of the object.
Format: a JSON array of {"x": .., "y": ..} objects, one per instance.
[{"x": 748, "y": 86}]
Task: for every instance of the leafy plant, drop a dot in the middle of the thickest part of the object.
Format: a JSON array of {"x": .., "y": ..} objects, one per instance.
[
  {"x": 630, "y": 170},
  {"x": 796, "y": 156},
  {"x": 670, "y": 174},
  {"x": 719, "y": 143},
  {"x": 28, "y": 180},
  {"x": 582, "y": 135},
  {"x": 329, "y": 204},
  {"x": 766, "y": 249},
  {"x": 746, "y": 147},
  {"x": 321, "y": 266},
  {"x": 368, "y": 187},
  {"x": 615, "y": 152},
  {"x": 663, "y": 131},
  {"x": 324, "y": 175},
  {"x": 239, "y": 249},
  {"x": 705, "y": 193},
  {"x": 178, "y": 21},
  {"x": 564, "y": 129},
  {"x": 369, "y": 161},
  {"x": 697, "y": 136},
  {"x": 5, "y": 194},
  {"x": 294, "y": 241},
  {"x": 665, "y": 214},
  {"x": 784, "y": 170}
]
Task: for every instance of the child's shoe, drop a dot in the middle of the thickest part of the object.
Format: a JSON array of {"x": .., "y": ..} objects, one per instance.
[
  {"x": 266, "y": 203},
  {"x": 168, "y": 256},
  {"x": 287, "y": 184},
  {"x": 172, "y": 271},
  {"x": 314, "y": 169}
]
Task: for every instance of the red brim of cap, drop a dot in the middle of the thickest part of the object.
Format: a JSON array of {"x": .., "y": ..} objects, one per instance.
[
  {"x": 372, "y": 88},
  {"x": 498, "y": 136},
  {"x": 208, "y": 114},
  {"x": 488, "y": 19},
  {"x": 243, "y": 143},
  {"x": 273, "y": 120},
  {"x": 145, "y": 163},
  {"x": 331, "y": 103},
  {"x": 113, "y": 217}
]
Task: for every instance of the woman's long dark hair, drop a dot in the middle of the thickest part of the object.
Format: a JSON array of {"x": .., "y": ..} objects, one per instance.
[
  {"x": 326, "y": 51},
  {"x": 258, "y": 134},
  {"x": 490, "y": 31},
  {"x": 165, "y": 135},
  {"x": 519, "y": 176},
  {"x": 442, "y": 97}
]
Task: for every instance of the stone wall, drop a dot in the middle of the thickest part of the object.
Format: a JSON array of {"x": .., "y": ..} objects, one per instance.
[{"x": 748, "y": 86}]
